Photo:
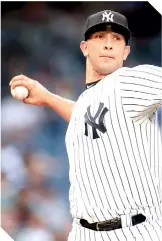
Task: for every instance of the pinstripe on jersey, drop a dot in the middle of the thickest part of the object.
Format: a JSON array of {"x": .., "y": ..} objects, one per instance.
[{"x": 121, "y": 171}]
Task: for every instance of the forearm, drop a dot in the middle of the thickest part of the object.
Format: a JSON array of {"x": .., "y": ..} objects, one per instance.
[{"x": 62, "y": 106}]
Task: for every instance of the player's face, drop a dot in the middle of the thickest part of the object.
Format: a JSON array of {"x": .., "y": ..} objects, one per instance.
[{"x": 105, "y": 51}]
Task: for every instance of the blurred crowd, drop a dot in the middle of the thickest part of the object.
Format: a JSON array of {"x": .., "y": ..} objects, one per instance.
[{"x": 42, "y": 41}]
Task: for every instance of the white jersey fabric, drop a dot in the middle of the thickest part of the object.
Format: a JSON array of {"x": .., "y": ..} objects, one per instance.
[{"x": 114, "y": 145}]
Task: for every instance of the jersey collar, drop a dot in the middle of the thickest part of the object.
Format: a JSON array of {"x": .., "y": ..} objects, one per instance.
[{"x": 89, "y": 85}]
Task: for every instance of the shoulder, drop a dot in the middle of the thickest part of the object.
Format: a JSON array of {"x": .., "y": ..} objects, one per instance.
[
  {"x": 140, "y": 70},
  {"x": 147, "y": 67},
  {"x": 140, "y": 74}
]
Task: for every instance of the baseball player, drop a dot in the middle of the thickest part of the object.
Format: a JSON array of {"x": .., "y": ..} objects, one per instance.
[{"x": 113, "y": 140}]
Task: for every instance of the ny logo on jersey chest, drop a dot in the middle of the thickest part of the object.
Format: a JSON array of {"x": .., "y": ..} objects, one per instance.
[{"x": 89, "y": 120}]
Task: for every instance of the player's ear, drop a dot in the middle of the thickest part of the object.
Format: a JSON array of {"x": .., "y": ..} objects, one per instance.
[
  {"x": 84, "y": 48},
  {"x": 126, "y": 52}
]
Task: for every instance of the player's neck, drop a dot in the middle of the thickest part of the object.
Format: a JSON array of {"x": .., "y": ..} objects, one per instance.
[
  {"x": 91, "y": 75},
  {"x": 93, "y": 78}
]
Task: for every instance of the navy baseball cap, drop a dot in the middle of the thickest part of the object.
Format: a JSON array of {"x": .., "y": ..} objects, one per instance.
[{"x": 107, "y": 18}]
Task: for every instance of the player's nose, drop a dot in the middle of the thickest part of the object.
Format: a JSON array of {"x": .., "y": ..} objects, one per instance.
[{"x": 108, "y": 44}]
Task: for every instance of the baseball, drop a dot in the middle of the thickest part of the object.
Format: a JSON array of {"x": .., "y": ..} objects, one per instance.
[{"x": 19, "y": 92}]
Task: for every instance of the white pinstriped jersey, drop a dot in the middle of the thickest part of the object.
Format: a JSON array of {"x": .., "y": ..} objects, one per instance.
[{"x": 114, "y": 145}]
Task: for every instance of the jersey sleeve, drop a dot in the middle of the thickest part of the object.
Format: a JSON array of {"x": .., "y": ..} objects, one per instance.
[{"x": 141, "y": 91}]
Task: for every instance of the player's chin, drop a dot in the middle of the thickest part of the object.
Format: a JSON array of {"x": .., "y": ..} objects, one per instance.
[{"x": 107, "y": 69}]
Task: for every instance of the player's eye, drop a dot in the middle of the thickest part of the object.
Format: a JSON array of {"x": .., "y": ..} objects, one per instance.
[
  {"x": 100, "y": 36},
  {"x": 117, "y": 38}
]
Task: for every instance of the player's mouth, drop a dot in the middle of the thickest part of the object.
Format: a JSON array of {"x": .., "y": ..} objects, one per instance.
[{"x": 107, "y": 57}]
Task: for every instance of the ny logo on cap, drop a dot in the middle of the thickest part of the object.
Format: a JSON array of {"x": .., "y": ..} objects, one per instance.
[{"x": 108, "y": 16}]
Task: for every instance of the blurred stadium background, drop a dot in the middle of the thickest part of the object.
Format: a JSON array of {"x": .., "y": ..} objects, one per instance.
[{"x": 41, "y": 40}]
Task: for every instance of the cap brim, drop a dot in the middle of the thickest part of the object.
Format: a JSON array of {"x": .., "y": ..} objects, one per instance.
[{"x": 102, "y": 27}]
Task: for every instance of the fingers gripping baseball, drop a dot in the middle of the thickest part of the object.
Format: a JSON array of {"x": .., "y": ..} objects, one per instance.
[
  {"x": 37, "y": 93},
  {"x": 22, "y": 80}
]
